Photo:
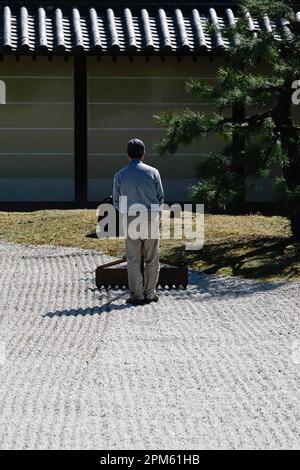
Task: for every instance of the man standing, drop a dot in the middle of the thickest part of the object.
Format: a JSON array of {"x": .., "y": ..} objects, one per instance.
[{"x": 140, "y": 184}]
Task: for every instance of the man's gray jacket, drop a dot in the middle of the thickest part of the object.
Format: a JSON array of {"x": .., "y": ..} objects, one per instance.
[{"x": 141, "y": 184}]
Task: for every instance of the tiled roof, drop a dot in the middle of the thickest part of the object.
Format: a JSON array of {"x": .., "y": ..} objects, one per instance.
[{"x": 50, "y": 29}]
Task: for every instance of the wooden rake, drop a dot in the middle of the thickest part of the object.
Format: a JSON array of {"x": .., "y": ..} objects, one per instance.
[{"x": 113, "y": 275}]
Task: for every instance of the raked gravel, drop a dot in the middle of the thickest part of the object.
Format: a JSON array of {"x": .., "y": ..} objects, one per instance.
[{"x": 214, "y": 366}]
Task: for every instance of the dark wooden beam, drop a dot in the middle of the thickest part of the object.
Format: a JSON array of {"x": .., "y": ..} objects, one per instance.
[{"x": 80, "y": 130}]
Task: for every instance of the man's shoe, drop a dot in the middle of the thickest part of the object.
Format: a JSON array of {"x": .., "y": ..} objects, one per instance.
[
  {"x": 134, "y": 301},
  {"x": 152, "y": 298}
]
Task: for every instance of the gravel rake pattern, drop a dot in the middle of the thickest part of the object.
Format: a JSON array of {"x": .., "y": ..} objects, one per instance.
[{"x": 206, "y": 367}]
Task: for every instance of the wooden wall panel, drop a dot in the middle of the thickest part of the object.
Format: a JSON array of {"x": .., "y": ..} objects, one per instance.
[
  {"x": 123, "y": 96},
  {"x": 37, "y": 129}
]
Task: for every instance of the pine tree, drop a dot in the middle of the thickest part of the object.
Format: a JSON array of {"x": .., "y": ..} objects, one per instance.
[{"x": 262, "y": 71}]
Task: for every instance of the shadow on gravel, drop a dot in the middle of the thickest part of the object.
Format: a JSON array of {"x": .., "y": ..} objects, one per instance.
[
  {"x": 81, "y": 312},
  {"x": 205, "y": 287},
  {"x": 201, "y": 287},
  {"x": 216, "y": 287}
]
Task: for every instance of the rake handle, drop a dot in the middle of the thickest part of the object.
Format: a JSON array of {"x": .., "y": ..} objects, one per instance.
[
  {"x": 162, "y": 260},
  {"x": 112, "y": 263}
]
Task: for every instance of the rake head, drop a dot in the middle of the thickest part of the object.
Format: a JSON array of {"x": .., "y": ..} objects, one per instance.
[{"x": 113, "y": 275}]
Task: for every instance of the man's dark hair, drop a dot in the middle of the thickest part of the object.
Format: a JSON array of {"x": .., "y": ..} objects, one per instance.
[{"x": 135, "y": 149}]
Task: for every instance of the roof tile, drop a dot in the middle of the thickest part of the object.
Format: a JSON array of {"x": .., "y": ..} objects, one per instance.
[{"x": 34, "y": 29}]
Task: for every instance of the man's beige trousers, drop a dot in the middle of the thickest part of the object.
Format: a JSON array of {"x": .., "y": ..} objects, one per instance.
[{"x": 143, "y": 285}]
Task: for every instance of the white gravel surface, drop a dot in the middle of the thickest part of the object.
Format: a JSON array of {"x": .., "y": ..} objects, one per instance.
[{"x": 215, "y": 366}]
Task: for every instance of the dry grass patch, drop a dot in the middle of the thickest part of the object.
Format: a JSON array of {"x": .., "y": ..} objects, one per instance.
[{"x": 252, "y": 246}]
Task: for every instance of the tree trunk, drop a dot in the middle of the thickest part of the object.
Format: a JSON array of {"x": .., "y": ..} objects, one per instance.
[
  {"x": 238, "y": 146},
  {"x": 290, "y": 144},
  {"x": 291, "y": 173},
  {"x": 295, "y": 224}
]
